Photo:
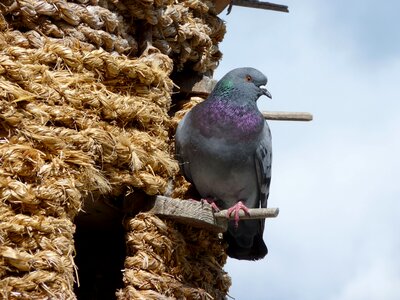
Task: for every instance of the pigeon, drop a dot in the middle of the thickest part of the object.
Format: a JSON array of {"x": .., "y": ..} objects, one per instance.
[{"x": 223, "y": 146}]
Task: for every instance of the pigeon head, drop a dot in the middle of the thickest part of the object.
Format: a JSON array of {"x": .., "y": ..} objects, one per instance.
[{"x": 246, "y": 82}]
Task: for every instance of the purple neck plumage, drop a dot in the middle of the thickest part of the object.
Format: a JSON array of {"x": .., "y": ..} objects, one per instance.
[{"x": 229, "y": 119}]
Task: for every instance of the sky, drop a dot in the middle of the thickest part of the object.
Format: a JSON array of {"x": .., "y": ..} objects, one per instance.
[{"x": 335, "y": 179}]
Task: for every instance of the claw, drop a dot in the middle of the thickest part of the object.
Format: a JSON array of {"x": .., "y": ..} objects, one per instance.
[
  {"x": 212, "y": 203},
  {"x": 235, "y": 209}
]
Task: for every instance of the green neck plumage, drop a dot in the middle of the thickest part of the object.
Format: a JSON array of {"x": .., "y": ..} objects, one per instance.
[{"x": 224, "y": 88}]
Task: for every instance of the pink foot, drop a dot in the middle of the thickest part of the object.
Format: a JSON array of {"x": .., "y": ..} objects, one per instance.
[
  {"x": 212, "y": 203},
  {"x": 235, "y": 209}
]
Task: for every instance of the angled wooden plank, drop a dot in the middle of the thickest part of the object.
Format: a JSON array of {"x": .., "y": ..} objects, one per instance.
[
  {"x": 220, "y": 5},
  {"x": 261, "y": 5},
  {"x": 194, "y": 83},
  {"x": 195, "y": 213}
]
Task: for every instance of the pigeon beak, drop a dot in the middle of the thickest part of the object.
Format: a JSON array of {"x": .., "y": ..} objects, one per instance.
[{"x": 265, "y": 92}]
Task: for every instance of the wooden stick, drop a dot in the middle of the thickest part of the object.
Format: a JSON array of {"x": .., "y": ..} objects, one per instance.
[
  {"x": 287, "y": 116},
  {"x": 254, "y": 213},
  {"x": 261, "y": 5},
  {"x": 200, "y": 214}
]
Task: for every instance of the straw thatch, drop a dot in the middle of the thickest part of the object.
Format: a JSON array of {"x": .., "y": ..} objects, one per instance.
[{"x": 85, "y": 93}]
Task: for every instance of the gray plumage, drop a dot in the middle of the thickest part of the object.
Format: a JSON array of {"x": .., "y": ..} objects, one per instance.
[{"x": 224, "y": 148}]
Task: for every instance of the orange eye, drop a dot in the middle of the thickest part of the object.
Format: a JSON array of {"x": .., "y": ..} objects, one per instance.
[{"x": 248, "y": 78}]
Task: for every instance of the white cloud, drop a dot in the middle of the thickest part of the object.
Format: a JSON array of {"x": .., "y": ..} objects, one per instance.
[{"x": 379, "y": 280}]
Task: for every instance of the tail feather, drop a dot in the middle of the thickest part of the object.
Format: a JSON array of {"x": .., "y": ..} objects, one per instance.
[{"x": 256, "y": 251}]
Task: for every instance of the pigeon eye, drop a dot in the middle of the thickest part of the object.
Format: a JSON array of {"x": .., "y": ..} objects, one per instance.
[{"x": 248, "y": 78}]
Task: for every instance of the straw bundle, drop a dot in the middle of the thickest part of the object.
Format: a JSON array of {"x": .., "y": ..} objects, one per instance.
[
  {"x": 35, "y": 256},
  {"x": 67, "y": 136},
  {"x": 170, "y": 261},
  {"x": 79, "y": 119},
  {"x": 186, "y": 30}
]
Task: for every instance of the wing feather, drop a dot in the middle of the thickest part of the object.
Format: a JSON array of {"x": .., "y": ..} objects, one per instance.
[
  {"x": 263, "y": 165},
  {"x": 182, "y": 138}
]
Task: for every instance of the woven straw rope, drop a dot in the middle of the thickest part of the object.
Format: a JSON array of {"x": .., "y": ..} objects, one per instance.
[
  {"x": 170, "y": 261},
  {"x": 80, "y": 119}
]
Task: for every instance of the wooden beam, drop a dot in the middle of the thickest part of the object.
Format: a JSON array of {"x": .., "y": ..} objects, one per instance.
[
  {"x": 287, "y": 116},
  {"x": 261, "y": 5},
  {"x": 194, "y": 84},
  {"x": 200, "y": 214},
  {"x": 195, "y": 213},
  {"x": 220, "y": 5}
]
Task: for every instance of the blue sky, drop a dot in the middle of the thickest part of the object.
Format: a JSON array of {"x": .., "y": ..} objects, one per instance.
[{"x": 335, "y": 179}]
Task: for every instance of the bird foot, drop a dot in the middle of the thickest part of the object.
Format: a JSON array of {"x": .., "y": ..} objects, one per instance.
[
  {"x": 235, "y": 209},
  {"x": 212, "y": 203}
]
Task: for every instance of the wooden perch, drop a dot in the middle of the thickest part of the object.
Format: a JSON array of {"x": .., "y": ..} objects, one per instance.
[
  {"x": 254, "y": 213},
  {"x": 200, "y": 214},
  {"x": 261, "y": 5},
  {"x": 287, "y": 116}
]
